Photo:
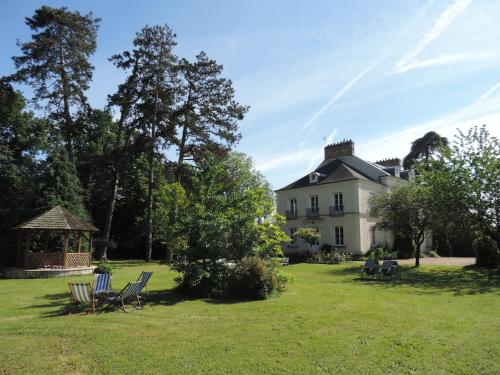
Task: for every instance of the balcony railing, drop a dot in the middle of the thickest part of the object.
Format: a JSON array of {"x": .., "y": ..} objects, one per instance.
[
  {"x": 336, "y": 210},
  {"x": 312, "y": 212},
  {"x": 291, "y": 214}
]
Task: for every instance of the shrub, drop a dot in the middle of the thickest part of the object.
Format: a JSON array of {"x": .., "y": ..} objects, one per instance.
[
  {"x": 299, "y": 256},
  {"x": 381, "y": 253},
  {"x": 103, "y": 267},
  {"x": 326, "y": 248},
  {"x": 251, "y": 279},
  {"x": 203, "y": 279},
  {"x": 486, "y": 251}
]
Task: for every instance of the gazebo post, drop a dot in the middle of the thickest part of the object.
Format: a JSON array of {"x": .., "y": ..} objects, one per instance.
[
  {"x": 65, "y": 256},
  {"x": 46, "y": 243},
  {"x": 19, "y": 254},
  {"x": 27, "y": 247},
  {"x": 79, "y": 246}
]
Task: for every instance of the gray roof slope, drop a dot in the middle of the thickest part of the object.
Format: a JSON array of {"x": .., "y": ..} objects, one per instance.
[
  {"x": 341, "y": 169},
  {"x": 57, "y": 218}
]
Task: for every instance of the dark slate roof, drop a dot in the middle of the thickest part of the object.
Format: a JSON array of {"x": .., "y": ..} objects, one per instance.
[
  {"x": 343, "y": 168},
  {"x": 57, "y": 218}
]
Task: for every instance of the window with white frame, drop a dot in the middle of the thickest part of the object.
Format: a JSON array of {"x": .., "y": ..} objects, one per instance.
[
  {"x": 313, "y": 203},
  {"x": 374, "y": 238},
  {"x": 338, "y": 236},
  {"x": 292, "y": 206},
  {"x": 338, "y": 202}
]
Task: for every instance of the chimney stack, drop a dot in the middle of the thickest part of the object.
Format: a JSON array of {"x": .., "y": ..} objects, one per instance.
[
  {"x": 335, "y": 150},
  {"x": 394, "y": 162}
]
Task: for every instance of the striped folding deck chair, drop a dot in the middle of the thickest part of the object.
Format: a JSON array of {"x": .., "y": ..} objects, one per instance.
[
  {"x": 102, "y": 283},
  {"x": 81, "y": 294},
  {"x": 131, "y": 291},
  {"x": 144, "y": 278}
]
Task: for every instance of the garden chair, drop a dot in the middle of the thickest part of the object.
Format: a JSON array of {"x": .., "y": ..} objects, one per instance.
[
  {"x": 81, "y": 294},
  {"x": 130, "y": 291},
  {"x": 370, "y": 268},
  {"x": 144, "y": 278},
  {"x": 285, "y": 261},
  {"x": 390, "y": 268},
  {"x": 102, "y": 284}
]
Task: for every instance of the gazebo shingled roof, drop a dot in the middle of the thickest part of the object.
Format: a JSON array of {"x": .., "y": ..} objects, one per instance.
[{"x": 58, "y": 218}]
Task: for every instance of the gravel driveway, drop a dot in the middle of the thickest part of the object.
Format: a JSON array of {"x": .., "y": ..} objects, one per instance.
[{"x": 443, "y": 261}]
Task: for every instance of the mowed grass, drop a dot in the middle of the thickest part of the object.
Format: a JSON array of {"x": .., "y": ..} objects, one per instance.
[{"x": 436, "y": 320}]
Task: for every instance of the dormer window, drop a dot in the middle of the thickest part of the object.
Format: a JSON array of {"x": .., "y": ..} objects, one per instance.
[{"x": 313, "y": 177}]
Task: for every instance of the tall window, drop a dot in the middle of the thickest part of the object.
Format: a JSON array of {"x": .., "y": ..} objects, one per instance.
[
  {"x": 338, "y": 236},
  {"x": 313, "y": 204},
  {"x": 338, "y": 202},
  {"x": 374, "y": 239},
  {"x": 293, "y": 205}
]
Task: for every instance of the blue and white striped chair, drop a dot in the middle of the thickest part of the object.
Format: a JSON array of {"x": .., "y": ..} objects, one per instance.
[
  {"x": 131, "y": 291},
  {"x": 81, "y": 294},
  {"x": 144, "y": 278},
  {"x": 102, "y": 284}
]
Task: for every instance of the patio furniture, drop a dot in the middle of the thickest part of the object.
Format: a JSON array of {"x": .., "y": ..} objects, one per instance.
[
  {"x": 81, "y": 294},
  {"x": 370, "y": 268},
  {"x": 102, "y": 284},
  {"x": 131, "y": 291},
  {"x": 390, "y": 268},
  {"x": 144, "y": 278},
  {"x": 285, "y": 261}
]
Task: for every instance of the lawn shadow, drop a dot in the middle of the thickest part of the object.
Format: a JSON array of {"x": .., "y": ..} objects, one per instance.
[
  {"x": 461, "y": 281},
  {"x": 170, "y": 297},
  {"x": 58, "y": 301}
]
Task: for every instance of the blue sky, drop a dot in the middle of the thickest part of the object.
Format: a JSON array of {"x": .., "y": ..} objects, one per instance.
[{"x": 379, "y": 72}]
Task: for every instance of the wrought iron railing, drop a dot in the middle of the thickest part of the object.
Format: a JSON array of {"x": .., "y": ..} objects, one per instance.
[
  {"x": 336, "y": 210},
  {"x": 312, "y": 212}
]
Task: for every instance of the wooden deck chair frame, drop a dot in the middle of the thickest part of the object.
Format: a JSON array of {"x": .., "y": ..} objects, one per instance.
[
  {"x": 130, "y": 290},
  {"x": 145, "y": 286},
  {"x": 75, "y": 300}
]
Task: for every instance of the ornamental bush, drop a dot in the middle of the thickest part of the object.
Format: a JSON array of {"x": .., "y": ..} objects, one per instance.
[{"x": 103, "y": 267}]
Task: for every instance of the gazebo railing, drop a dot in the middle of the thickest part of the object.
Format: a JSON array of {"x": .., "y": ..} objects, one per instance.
[{"x": 56, "y": 260}]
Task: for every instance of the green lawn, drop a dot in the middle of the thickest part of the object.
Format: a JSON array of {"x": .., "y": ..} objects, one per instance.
[{"x": 437, "y": 320}]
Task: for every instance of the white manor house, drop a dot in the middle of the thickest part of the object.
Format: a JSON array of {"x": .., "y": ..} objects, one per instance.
[{"x": 334, "y": 198}]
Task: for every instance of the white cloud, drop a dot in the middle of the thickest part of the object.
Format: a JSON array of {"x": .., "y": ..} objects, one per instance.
[
  {"x": 446, "y": 18},
  {"x": 441, "y": 60}
]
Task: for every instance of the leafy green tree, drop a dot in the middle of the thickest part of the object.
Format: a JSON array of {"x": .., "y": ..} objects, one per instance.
[
  {"x": 207, "y": 113},
  {"x": 61, "y": 186},
  {"x": 310, "y": 235},
  {"x": 154, "y": 69},
  {"x": 405, "y": 211},
  {"x": 466, "y": 183},
  {"x": 55, "y": 62},
  {"x": 22, "y": 136},
  {"x": 424, "y": 148},
  {"x": 232, "y": 212}
]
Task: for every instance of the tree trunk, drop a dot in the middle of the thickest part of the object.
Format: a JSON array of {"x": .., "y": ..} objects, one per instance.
[
  {"x": 110, "y": 209},
  {"x": 417, "y": 254},
  {"x": 149, "y": 220},
  {"x": 68, "y": 131},
  {"x": 182, "y": 146}
]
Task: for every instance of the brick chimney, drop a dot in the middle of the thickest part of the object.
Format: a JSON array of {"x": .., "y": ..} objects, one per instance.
[
  {"x": 335, "y": 150},
  {"x": 394, "y": 162}
]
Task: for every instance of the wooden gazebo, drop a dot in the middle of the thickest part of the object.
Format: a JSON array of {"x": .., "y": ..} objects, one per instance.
[{"x": 55, "y": 220}]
